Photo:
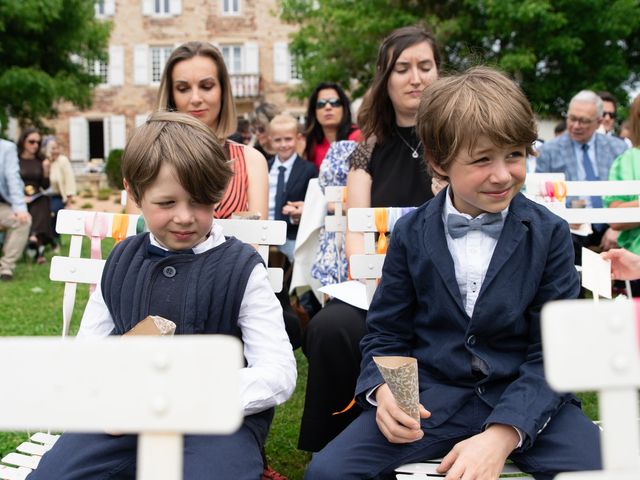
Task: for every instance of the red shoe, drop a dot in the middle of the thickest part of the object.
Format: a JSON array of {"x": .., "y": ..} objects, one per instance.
[{"x": 270, "y": 474}]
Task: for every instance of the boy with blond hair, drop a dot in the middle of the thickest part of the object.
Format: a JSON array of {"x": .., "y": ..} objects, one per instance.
[
  {"x": 184, "y": 269},
  {"x": 462, "y": 286},
  {"x": 289, "y": 176}
]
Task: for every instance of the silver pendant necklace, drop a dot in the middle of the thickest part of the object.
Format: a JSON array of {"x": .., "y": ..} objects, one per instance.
[{"x": 414, "y": 151}]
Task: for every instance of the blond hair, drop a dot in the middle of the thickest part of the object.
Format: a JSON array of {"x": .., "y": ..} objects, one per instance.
[
  {"x": 227, "y": 117},
  {"x": 184, "y": 143},
  {"x": 284, "y": 120},
  {"x": 454, "y": 111}
]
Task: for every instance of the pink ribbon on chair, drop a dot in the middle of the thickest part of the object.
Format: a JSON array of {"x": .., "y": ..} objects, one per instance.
[
  {"x": 95, "y": 227},
  {"x": 636, "y": 304}
]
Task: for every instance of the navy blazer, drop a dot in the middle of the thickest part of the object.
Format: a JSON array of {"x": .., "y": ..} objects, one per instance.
[
  {"x": 417, "y": 311},
  {"x": 301, "y": 172},
  {"x": 558, "y": 155}
]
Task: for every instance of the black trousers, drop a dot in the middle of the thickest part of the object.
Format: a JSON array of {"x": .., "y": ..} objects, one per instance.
[{"x": 332, "y": 346}]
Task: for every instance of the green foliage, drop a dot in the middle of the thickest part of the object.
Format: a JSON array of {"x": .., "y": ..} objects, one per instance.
[
  {"x": 113, "y": 168},
  {"x": 552, "y": 48},
  {"x": 43, "y": 48},
  {"x": 104, "y": 194}
]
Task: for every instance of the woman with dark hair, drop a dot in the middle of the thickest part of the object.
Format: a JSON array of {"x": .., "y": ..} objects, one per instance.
[
  {"x": 195, "y": 81},
  {"x": 386, "y": 170},
  {"x": 34, "y": 170},
  {"x": 328, "y": 120}
]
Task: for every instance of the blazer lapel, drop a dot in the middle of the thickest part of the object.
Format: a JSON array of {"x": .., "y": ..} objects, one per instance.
[
  {"x": 296, "y": 171},
  {"x": 512, "y": 235},
  {"x": 435, "y": 243},
  {"x": 571, "y": 160}
]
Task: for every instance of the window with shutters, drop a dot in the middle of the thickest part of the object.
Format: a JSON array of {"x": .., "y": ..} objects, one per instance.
[
  {"x": 295, "y": 75},
  {"x": 100, "y": 69},
  {"x": 104, "y": 8},
  {"x": 231, "y": 7},
  {"x": 161, "y": 7},
  {"x": 233, "y": 58},
  {"x": 159, "y": 56}
]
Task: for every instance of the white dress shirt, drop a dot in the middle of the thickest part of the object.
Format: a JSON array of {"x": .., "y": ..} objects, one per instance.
[
  {"x": 270, "y": 375},
  {"x": 273, "y": 180},
  {"x": 471, "y": 255}
]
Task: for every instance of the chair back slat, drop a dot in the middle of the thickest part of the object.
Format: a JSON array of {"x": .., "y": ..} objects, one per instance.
[{"x": 591, "y": 346}]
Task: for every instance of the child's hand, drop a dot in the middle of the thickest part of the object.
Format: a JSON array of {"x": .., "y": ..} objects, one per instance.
[
  {"x": 396, "y": 425},
  {"x": 481, "y": 456},
  {"x": 293, "y": 210}
]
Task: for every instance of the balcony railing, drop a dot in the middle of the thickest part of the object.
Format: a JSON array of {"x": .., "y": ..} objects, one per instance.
[{"x": 245, "y": 85}]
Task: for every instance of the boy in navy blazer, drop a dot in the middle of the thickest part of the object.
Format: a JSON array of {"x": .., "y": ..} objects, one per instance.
[
  {"x": 462, "y": 287},
  {"x": 289, "y": 176}
]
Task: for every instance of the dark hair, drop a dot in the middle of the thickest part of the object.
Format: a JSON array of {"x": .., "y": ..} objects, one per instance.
[
  {"x": 183, "y": 143},
  {"x": 23, "y": 138},
  {"x": 314, "y": 133},
  {"x": 560, "y": 127},
  {"x": 608, "y": 97},
  {"x": 187, "y": 51},
  {"x": 456, "y": 110},
  {"x": 377, "y": 110}
]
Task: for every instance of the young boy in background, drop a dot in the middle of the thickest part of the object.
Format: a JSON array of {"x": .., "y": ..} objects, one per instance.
[
  {"x": 289, "y": 176},
  {"x": 462, "y": 287}
]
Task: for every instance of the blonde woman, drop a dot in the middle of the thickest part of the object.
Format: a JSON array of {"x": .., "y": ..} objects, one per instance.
[
  {"x": 195, "y": 81},
  {"x": 62, "y": 183}
]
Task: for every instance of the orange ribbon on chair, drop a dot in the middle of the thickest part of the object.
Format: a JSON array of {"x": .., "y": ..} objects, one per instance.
[
  {"x": 120, "y": 227},
  {"x": 560, "y": 191},
  {"x": 381, "y": 218}
]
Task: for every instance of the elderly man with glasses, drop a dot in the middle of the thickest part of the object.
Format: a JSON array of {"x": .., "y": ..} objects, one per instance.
[{"x": 581, "y": 153}]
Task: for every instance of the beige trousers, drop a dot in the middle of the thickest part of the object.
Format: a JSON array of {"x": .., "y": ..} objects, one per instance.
[{"x": 15, "y": 239}]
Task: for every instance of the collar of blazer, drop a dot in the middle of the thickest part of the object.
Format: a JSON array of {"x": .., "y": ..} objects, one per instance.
[{"x": 435, "y": 242}]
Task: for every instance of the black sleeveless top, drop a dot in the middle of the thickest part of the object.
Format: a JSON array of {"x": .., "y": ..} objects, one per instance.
[{"x": 398, "y": 179}]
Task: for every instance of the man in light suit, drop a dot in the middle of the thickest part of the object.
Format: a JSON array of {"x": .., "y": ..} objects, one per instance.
[
  {"x": 15, "y": 221},
  {"x": 583, "y": 154}
]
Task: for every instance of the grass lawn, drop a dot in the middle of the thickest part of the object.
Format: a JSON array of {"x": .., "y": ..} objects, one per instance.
[{"x": 31, "y": 305}]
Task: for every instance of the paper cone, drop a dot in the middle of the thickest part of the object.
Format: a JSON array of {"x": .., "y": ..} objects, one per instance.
[
  {"x": 401, "y": 374},
  {"x": 153, "y": 325}
]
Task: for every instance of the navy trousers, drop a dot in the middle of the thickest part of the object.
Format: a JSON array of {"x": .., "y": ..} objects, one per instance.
[
  {"x": 106, "y": 457},
  {"x": 569, "y": 442}
]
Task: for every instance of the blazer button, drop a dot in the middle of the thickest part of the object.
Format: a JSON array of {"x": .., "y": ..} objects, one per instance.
[
  {"x": 480, "y": 389},
  {"x": 169, "y": 272},
  {"x": 471, "y": 340}
]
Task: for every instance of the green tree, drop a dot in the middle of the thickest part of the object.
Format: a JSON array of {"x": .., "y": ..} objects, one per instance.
[
  {"x": 553, "y": 48},
  {"x": 45, "y": 47}
]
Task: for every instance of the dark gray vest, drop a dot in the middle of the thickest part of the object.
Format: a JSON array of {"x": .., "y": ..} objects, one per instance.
[{"x": 200, "y": 293}]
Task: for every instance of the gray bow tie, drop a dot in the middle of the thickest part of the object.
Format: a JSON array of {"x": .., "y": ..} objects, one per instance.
[{"x": 490, "y": 224}]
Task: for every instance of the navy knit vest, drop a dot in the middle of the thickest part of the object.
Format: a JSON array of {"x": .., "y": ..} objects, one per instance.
[{"x": 200, "y": 293}]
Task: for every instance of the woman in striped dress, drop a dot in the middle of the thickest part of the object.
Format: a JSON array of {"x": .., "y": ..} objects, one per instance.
[{"x": 195, "y": 81}]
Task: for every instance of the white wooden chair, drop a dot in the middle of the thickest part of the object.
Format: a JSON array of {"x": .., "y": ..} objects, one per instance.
[
  {"x": 77, "y": 223},
  {"x": 367, "y": 266},
  {"x": 74, "y": 270},
  {"x": 591, "y": 346},
  {"x": 66, "y": 383}
]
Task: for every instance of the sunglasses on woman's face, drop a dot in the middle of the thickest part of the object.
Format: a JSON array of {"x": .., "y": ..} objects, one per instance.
[
  {"x": 334, "y": 102},
  {"x": 33, "y": 142}
]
